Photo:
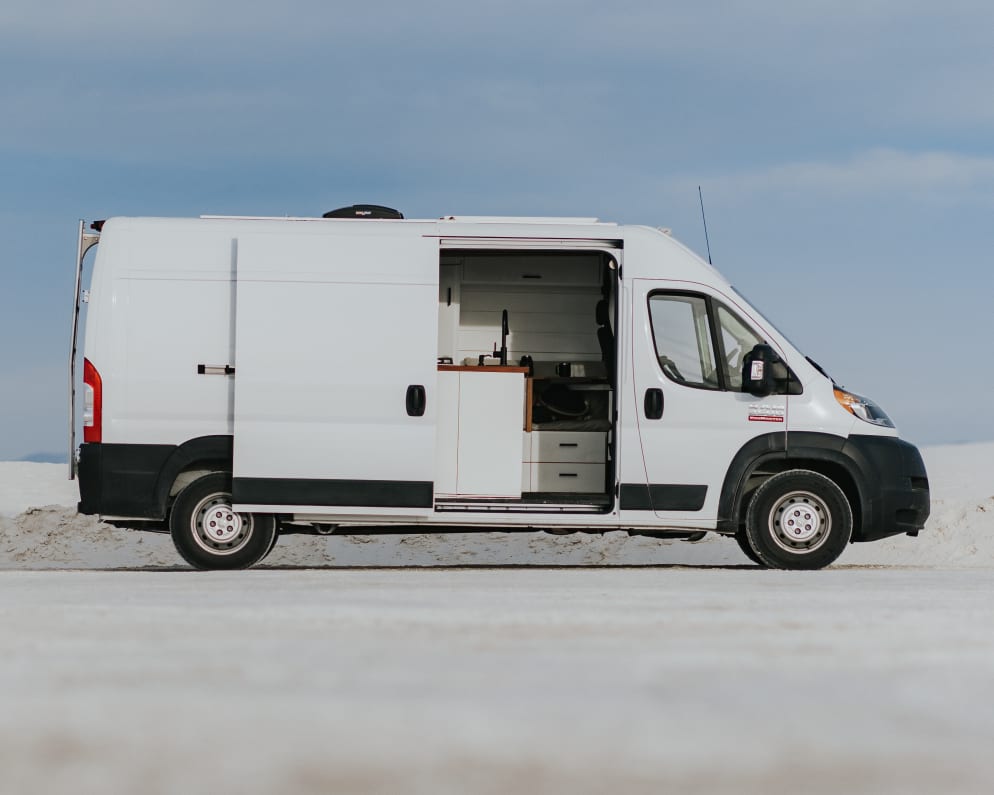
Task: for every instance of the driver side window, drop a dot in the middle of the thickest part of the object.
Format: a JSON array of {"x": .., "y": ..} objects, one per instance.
[
  {"x": 699, "y": 341},
  {"x": 684, "y": 344}
]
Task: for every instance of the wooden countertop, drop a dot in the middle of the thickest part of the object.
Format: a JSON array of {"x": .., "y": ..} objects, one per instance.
[{"x": 487, "y": 368}]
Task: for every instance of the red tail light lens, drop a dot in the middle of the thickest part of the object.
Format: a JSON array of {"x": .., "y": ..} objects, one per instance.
[{"x": 93, "y": 403}]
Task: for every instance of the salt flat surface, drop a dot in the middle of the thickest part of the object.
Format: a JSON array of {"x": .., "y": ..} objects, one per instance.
[
  {"x": 500, "y": 680},
  {"x": 661, "y": 666}
]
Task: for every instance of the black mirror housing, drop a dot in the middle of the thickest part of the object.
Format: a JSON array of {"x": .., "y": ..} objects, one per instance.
[{"x": 758, "y": 376}]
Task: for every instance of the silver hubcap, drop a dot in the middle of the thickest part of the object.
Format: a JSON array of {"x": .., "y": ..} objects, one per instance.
[
  {"x": 218, "y": 529},
  {"x": 800, "y": 522}
]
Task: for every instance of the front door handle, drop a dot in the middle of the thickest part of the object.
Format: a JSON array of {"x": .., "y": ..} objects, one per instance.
[
  {"x": 417, "y": 401},
  {"x": 653, "y": 404}
]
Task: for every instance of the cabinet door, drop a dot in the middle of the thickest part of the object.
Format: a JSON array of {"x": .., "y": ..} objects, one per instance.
[{"x": 490, "y": 407}]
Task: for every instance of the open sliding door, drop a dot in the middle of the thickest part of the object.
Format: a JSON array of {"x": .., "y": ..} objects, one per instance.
[{"x": 336, "y": 336}]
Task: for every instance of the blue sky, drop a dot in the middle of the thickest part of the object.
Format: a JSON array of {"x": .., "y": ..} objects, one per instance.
[{"x": 846, "y": 153}]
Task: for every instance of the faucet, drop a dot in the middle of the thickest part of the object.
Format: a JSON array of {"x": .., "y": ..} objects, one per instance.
[{"x": 502, "y": 353}]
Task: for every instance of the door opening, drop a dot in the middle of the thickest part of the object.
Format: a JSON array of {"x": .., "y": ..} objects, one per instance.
[{"x": 527, "y": 360}]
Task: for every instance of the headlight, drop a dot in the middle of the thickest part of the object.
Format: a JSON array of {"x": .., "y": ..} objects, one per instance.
[{"x": 862, "y": 407}]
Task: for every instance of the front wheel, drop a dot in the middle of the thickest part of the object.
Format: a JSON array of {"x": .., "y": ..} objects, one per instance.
[
  {"x": 208, "y": 534},
  {"x": 743, "y": 542},
  {"x": 798, "y": 520}
]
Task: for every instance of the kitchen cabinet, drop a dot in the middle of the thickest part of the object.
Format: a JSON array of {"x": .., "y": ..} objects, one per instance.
[
  {"x": 480, "y": 418},
  {"x": 565, "y": 461}
]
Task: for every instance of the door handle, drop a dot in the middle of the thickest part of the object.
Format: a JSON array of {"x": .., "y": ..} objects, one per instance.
[
  {"x": 215, "y": 369},
  {"x": 653, "y": 404},
  {"x": 416, "y": 400}
]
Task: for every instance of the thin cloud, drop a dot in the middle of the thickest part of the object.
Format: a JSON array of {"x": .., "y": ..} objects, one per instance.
[{"x": 876, "y": 172}]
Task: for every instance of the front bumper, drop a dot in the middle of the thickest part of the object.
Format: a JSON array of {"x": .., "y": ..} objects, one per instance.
[{"x": 894, "y": 488}]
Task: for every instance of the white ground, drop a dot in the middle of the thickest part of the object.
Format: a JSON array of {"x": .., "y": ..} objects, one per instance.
[{"x": 136, "y": 675}]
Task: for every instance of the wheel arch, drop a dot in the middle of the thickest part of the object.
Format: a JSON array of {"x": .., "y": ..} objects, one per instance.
[
  {"x": 203, "y": 454},
  {"x": 770, "y": 454}
]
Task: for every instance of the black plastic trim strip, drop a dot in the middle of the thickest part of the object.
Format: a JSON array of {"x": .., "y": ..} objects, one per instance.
[
  {"x": 305, "y": 491},
  {"x": 634, "y": 497},
  {"x": 122, "y": 479},
  {"x": 134, "y": 479},
  {"x": 662, "y": 497},
  {"x": 755, "y": 452}
]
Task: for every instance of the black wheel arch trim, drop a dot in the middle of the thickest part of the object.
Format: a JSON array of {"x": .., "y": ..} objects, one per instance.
[
  {"x": 752, "y": 455},
  {"x": 203, "y": 449},
  {"x": 885, "y": 460}
]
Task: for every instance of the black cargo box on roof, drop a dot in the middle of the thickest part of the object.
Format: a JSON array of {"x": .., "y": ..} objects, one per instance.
[{"x": 364, "y": 211}]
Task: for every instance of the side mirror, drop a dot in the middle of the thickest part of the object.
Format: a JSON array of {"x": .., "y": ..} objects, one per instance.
[{"x": 758, "y": 370}]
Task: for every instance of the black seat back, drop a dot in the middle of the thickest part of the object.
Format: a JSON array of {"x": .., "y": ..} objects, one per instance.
[{"x": 605, "y": 337}]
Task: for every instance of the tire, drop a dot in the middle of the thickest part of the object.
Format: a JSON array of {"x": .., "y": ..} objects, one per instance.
[
  {"x": 237, "y": 540},
  {"x": 276, "y": 537},
  {"x": 743, "y": 542},
  {"x": 798, "y": 520}
]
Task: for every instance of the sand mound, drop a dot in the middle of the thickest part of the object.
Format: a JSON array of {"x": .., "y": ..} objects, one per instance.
[
  {"x": 57, "y": 537},
  {"x": 960, "y": 533}
]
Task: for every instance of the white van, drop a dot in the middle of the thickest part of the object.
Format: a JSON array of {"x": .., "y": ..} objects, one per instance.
[{"x": 246, "y": 377}]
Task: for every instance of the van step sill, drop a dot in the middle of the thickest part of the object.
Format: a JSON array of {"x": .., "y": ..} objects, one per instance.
[{"x": 531, "y": 502}]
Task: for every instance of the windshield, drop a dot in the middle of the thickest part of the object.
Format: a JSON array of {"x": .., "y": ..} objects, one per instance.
[
  {"x": 762, "y": 316},
  {"x": 765, "y": 319}
]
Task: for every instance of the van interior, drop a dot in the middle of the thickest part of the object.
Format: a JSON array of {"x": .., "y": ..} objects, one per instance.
[{"x": 527, "y": 376}]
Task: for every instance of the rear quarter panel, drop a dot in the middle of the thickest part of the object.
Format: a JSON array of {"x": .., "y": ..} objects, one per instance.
[{"x": 161, "y": 303}]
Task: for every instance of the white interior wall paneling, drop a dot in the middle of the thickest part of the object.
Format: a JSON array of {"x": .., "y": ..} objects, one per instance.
[
  {"x": 534, "y": 269},
  {"x": 528, "y": 322},
  {"x": 544, "y": 323},
  {"x": 548, "y": 301},
  {"x": 546, "y": 347},
  {"x": 448, "y": 310}
]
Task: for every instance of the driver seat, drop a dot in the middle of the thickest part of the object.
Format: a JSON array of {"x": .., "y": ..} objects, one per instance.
[{"x": 605, "y": 337}]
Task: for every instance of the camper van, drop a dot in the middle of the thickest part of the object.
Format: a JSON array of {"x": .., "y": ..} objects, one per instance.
[{"x": 243, "y": 378}]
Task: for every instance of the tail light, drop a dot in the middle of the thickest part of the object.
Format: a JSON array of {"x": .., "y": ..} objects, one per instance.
[{"x": 93, "y": 403}]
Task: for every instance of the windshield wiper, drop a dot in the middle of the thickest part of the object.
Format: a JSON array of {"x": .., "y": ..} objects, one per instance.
[{"x": 819, "y": 368}]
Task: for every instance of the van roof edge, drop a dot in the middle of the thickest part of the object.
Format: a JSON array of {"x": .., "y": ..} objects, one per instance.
[
  {"x": 464, "y": 219},
  {"x": 522, "y": 219}
]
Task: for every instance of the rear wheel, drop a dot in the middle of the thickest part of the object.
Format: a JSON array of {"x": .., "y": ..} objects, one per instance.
[
  {"x": 276, "y": 537},
  {"x": 208, "y": 534},
  {"x": 798, "y": 520}
]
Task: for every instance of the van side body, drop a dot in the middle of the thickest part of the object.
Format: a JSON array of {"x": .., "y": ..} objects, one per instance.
[{"x": 556, "y": 374}]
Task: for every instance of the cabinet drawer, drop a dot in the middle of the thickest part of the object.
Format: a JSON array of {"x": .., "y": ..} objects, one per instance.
[
  {"x": 568, "y": 446},
  {"x": 568, "y": 477}
]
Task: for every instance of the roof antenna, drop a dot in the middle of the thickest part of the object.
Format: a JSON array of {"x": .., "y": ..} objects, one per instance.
[{"x": 705, "y": 220}]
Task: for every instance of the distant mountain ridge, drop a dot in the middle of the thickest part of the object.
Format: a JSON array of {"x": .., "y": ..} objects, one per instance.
[{"x": 45, "y": 458}]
